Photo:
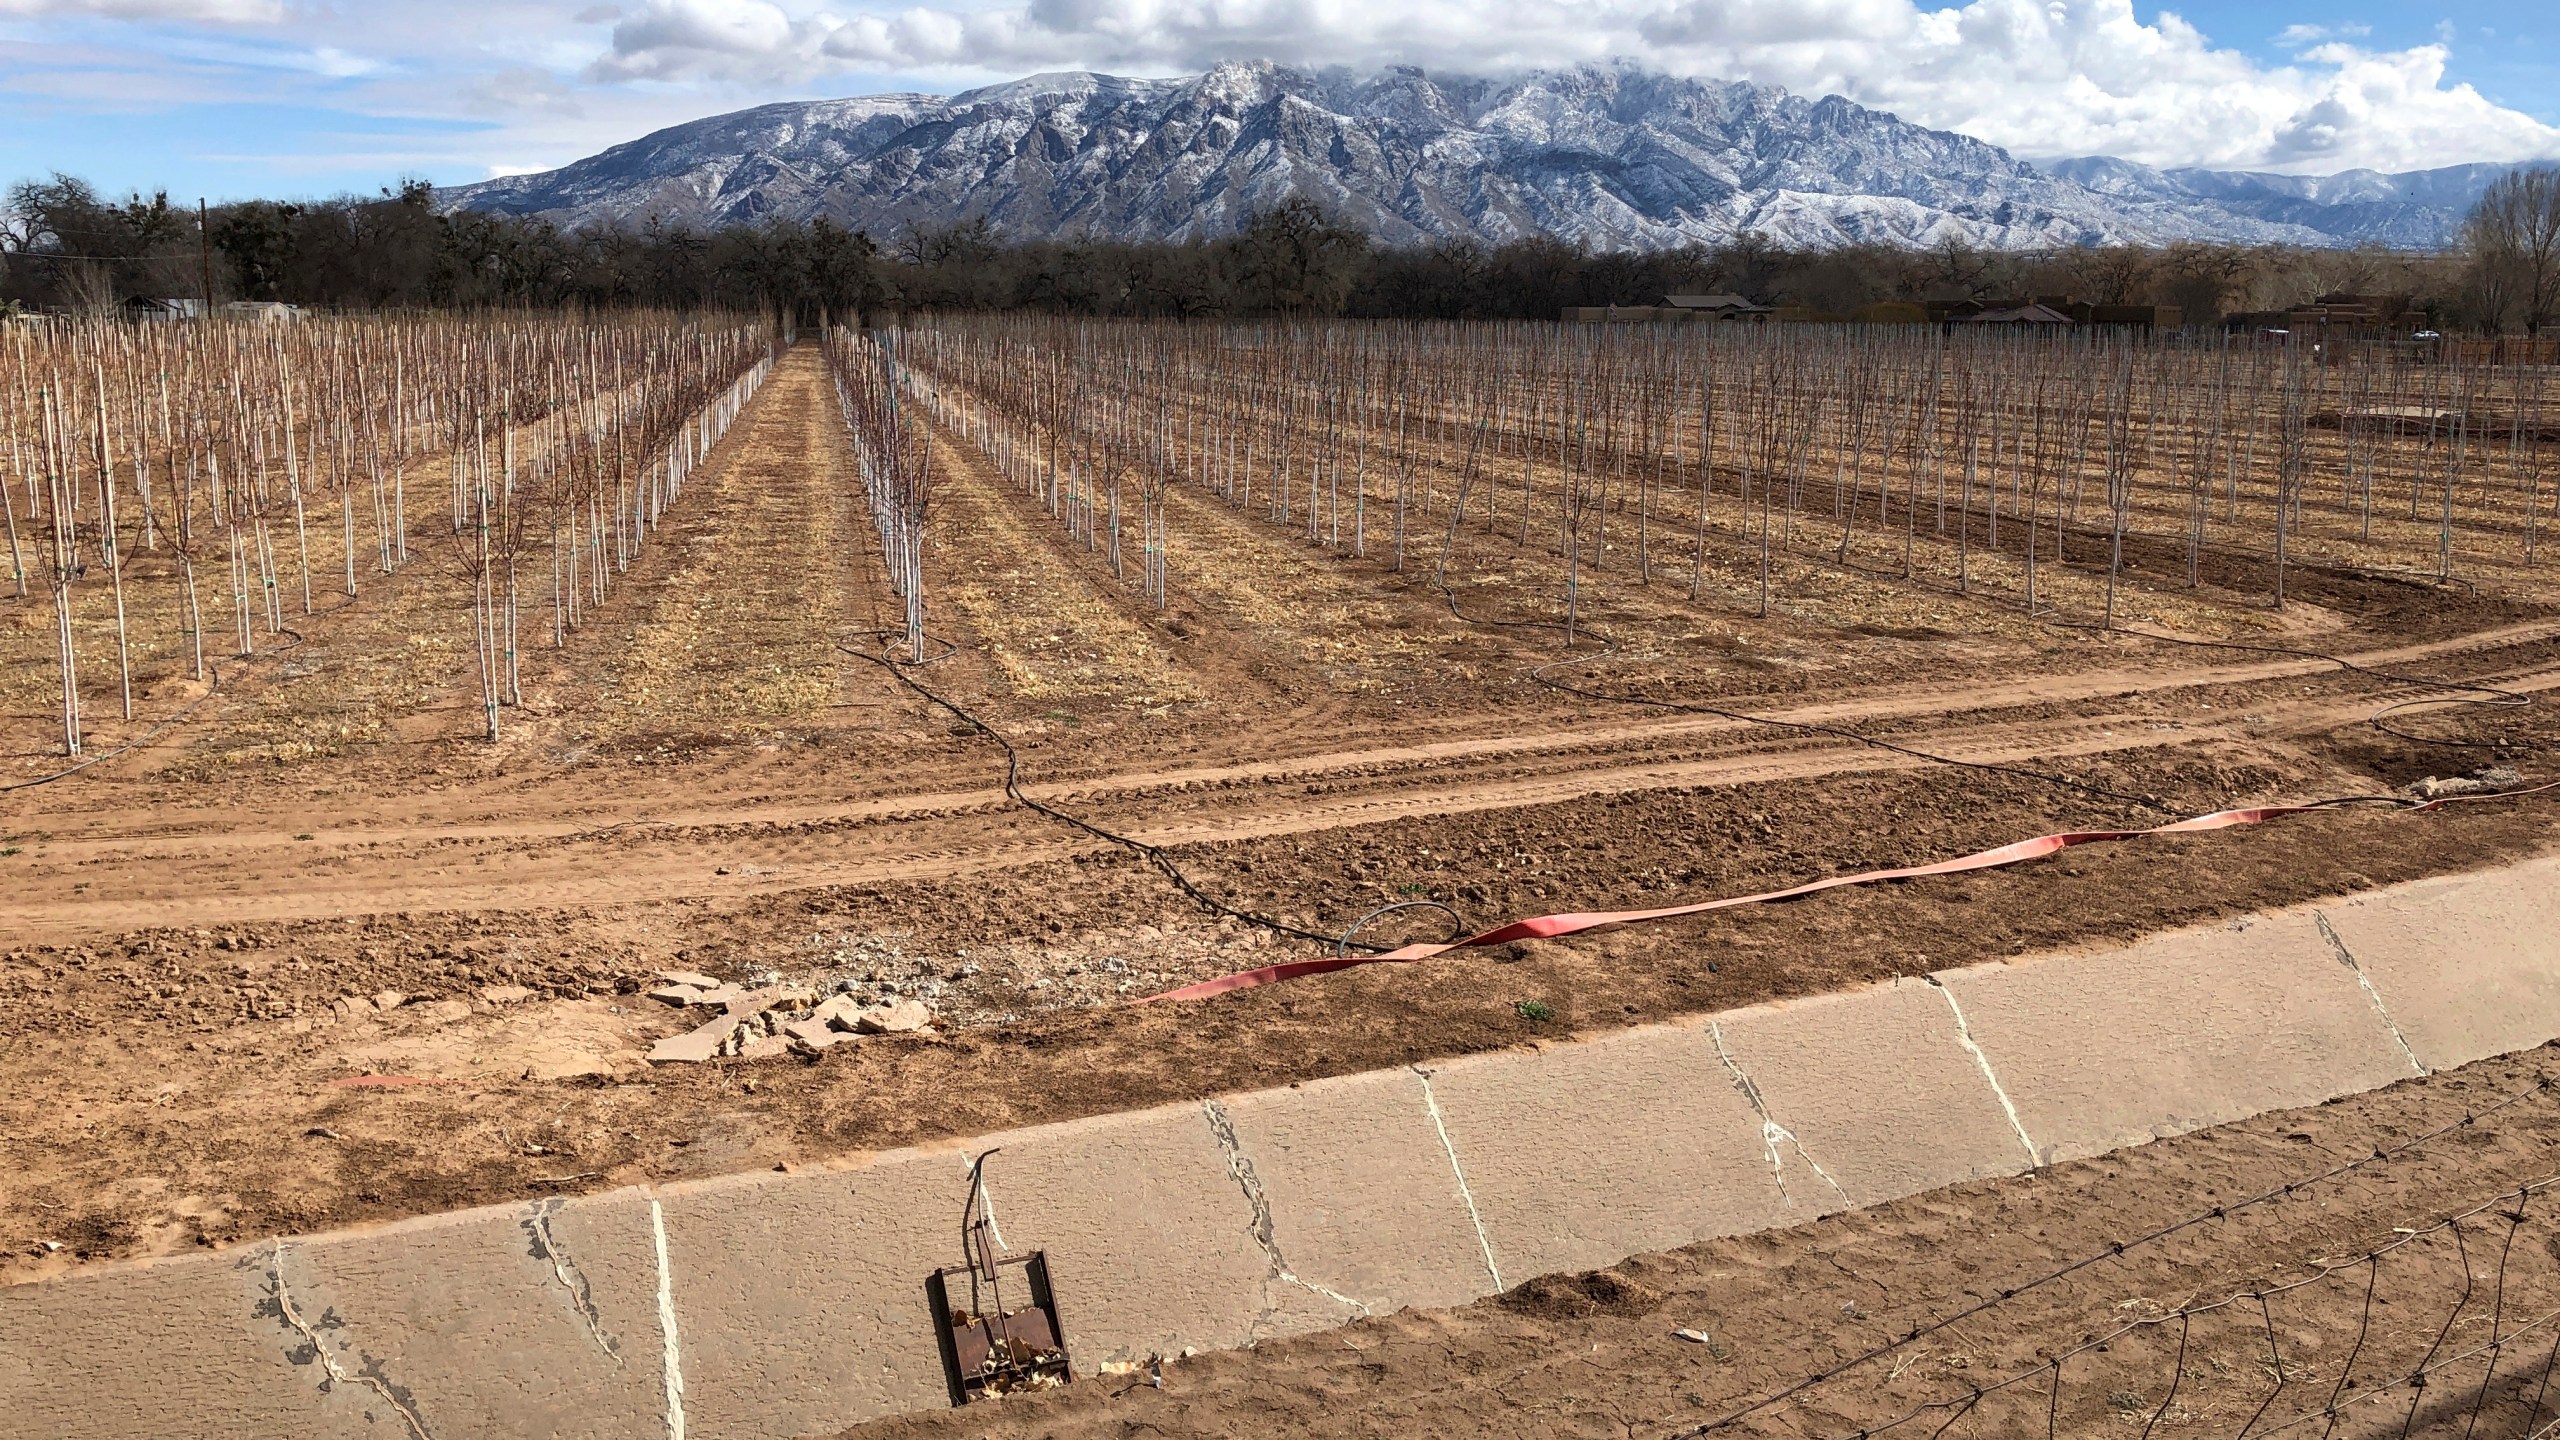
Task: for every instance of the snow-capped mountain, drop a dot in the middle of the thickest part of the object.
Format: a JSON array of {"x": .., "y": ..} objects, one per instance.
[
  {"x": 1610, "y": 157},
  {"x": 2415, "y": 210}
]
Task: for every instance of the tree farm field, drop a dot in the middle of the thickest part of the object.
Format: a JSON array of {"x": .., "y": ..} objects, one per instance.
[{"x": 481, "y": 674}]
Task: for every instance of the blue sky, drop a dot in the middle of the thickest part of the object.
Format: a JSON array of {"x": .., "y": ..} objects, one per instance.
[
  {"x": 225, "y": 98},
  {"x": 2508, "y": 49}
]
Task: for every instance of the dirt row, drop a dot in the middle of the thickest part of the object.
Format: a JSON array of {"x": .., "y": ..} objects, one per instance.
[
  {"x": 86, "y": 869},
  {"x": 174, "y": 1089},
  {"x": 1273, "y": 643},
  {"x": 706, "y": 779}
]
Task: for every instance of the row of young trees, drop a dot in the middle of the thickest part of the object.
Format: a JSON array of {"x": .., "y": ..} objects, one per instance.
[
  {"x": 169, "y": 456},
  {"x": 893, "y": 451},
  {"x": 1989, "y": 464},
  {"x": 64, "y": 246},
  {"x": 1080, "y": 426}
]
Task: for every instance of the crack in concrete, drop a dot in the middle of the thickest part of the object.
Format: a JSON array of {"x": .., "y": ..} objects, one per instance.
[
  {"x": 672, "y": 1365},
  {"x": 1484, "y": 1242},
  {"x": 1772, "y": 1134},
  {"x": 1982, "y": 1062},
  {"x": 548, "y": 1249},
  {"x": 1240, "y": 1166},
  {"x": 2347, "y": 957},
  {"x": 281, "y": 1308}
]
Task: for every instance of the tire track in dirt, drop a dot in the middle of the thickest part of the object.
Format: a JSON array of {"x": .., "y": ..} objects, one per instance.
[
  {"x": 980, "y": 834},
  {"x": 143, "y": 830}
]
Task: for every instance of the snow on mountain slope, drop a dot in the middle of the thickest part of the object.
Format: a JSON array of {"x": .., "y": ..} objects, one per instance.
[
  {"x": 1609, "y": 157},
  {"x": 2417, "y": 209}
]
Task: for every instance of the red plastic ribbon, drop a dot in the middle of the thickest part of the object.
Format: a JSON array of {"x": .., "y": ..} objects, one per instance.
[{"x": 1543, "y": 927}]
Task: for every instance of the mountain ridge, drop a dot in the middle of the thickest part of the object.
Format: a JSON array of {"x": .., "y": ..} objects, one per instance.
[{"x": 1609, "y": 157}]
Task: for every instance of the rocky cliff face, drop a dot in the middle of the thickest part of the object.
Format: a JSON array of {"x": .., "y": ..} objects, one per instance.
[{"x": 1608, "y": 157}]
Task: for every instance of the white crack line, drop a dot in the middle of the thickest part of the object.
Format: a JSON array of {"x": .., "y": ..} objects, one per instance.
[
  {"x": 1484, "y": 1242},
  {"x": 1772, "y": 1134},
  {"x": 1964, "y": 1037},
  {"x": 2347, "y": 957},
  {"x": 673, "y": 1366},
  {"x": 1223, "y": 1128},
  {"x": 582, "y": 1298},
  {"x": 371, "y": 1376}
]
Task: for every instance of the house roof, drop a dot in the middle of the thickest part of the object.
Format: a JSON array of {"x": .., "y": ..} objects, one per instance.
[
  {"x": 2019, "y": 315},
  {"x": 1709, "y": 302}
]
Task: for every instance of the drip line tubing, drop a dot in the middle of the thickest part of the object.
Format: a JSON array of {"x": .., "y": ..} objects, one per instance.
[{"x": 1154, "y": 855}]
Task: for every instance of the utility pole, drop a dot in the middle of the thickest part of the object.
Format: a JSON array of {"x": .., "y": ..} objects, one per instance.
[{"x": 204, "y": 258}]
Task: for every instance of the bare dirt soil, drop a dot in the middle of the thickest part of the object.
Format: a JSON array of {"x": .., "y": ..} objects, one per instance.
[
  {"x": 1692, "y": 1340},
  {"x": 320, "y": 875}
]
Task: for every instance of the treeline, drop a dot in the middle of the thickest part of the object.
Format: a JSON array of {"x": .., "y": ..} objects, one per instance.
[{"x": 63, "y": 246}]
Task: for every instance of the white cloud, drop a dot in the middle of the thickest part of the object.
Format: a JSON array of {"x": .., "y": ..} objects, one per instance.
[
  {"x": 337, "y": 64},
  {"x": 2296, "y": 36},
  {"x": 470, "y": 83},
  {"x": 712, "y": 39},
  {"x": 2046, "y": 78}
]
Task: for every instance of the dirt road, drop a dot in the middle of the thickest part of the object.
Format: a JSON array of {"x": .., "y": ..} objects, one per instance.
[{"x": 646, "y": 840}]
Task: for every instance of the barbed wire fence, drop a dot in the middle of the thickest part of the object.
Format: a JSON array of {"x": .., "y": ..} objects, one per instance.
[{"x": 2448, "y": 1325}]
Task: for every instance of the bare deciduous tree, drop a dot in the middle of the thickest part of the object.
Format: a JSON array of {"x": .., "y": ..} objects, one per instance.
[{"x": 2512, "y": 240}]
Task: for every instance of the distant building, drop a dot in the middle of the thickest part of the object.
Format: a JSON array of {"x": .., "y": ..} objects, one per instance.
[
  {"x": 2377, "y": 312},
  {"x": 2338, "y": 313},
  {"x": 2044, "y": 312},
  {"x": 2139, "y": 317},
  {"x": 1676, "y": 308},
  {"x": 270, "y": 310},
  {"x": 2031, "y": 316},
  {"x": 153, "y": 307},
  {"x": 2056, "y": 310},
  {"x": 1716, "y": 307}
]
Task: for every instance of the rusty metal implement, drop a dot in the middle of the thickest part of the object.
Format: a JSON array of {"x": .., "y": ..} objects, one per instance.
[{"x": 989, "y": 1348}]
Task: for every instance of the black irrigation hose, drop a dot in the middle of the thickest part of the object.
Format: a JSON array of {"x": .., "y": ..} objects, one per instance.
[
  {"x": 1154, "y": 855},
  {"x": 1461, "y": 930},
  {"x": 1538, "y": 675},
  {"x": 1157, "y": 857}
]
